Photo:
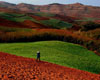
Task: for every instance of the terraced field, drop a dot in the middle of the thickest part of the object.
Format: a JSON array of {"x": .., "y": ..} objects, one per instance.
[{"x": 32, "y": 20}]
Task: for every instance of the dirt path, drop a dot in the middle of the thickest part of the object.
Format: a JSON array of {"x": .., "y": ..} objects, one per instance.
[{"x": 18, "y": 68}]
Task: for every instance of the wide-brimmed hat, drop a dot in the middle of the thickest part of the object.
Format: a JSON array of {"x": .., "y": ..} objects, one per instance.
[{"x": 38, "y": 51}]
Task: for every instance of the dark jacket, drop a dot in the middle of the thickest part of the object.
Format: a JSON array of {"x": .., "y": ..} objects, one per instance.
[{"x": 38, "y": 55}]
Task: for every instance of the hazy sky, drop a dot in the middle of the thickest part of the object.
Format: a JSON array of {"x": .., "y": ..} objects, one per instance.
[{"x": 40, "y": 2}]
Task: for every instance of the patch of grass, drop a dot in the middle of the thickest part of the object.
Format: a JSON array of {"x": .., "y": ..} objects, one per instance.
[
  {"x": 44, "y": 14},
  {"x": 16, "y": 17},
  {"x": 57, "y": 23},
  {"x": 88, "y": 19},
  {"x": 9, "y": 29},
  {"x": 62, "y": 53}
]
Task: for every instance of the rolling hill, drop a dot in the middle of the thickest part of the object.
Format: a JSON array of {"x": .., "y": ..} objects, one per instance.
[
  {"x": 76, "y": 10},
  {"x": 30, "y": 20},
  {"x": 26, "y": 24},
  {"x": 62, "y": 53}
]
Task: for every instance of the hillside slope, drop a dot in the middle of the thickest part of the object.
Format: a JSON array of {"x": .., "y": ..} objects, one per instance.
[
  {"x": 62, "y": 53},
  {"x": 76, "y": 10},
  {"x": 7, "y": 23},
  {"x": 13, "y": 19},
  {"x": 31, "y": 20},
  {"x": 13, "y": 67}
]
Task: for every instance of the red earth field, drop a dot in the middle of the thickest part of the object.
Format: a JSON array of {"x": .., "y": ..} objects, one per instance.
[
  {"x": 39, "y": 18},
  {"x": 6, "y": 10},
  {"x": 7, "y": 23},
  {"x": 19, "y": 68},
  {"x": 31, "y": 24},
  {"x": 25, "y": 24}
]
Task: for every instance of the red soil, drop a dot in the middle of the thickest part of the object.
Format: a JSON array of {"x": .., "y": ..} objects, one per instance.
[
  {"x": 65, "y": 18},
  {"x": 2, "y": 9},
  {"x": 32, "y": 24},
  {"x": 19, "y": 68},
  {"x": 7, "y": 23},
  {"x": 25, "y": 24},
  {"x": 60, "y": 17},
  {"x": 75, "y": 27},
  {"x": 39, "y": 17},
  {"x": 8, "y": 10},
  {"x": 97, "y": 21}
]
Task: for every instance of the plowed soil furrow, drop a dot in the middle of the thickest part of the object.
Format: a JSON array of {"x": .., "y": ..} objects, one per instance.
[{"x": 19, "y": 68}]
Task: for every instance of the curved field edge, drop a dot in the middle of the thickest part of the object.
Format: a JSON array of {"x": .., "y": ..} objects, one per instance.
[
  {"x": 62, "y": 53},
  {"x": 49, "y": 34}
]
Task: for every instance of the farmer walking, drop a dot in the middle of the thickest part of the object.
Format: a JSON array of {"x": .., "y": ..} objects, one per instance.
[{"x": 38, "y": 55}]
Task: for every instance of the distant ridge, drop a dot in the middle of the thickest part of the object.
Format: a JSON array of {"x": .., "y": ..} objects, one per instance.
[
  {"x": 6, "y": 3},
  {"x": 55, "y": 4},
  {"x": 78, "y": 3},
  {"x": 75, "y": 10}
]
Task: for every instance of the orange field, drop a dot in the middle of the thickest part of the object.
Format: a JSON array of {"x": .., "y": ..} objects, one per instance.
[{"x": 19, "y": 68}]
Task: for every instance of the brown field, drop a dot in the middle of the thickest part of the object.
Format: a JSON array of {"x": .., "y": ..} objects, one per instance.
[
  {"x": 31, "y": 24},
  {"x": 19, "y": 68},
  {"x": 39, "y": 18},
  {"x": 7, "y": 23},
  {"x": 25, "y": 24}
]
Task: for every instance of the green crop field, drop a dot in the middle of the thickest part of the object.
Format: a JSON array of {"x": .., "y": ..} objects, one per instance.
[
  {"x": 57, "y": 23},
  {"x": 88, "y": 19},
  {"x": 11, "y": 29},
  {"x": 16, "y": 17},
  {"x": 54, "y": 23},
  {"x": 62, "y": 53},
  {"x": 44, "y": 14}
]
